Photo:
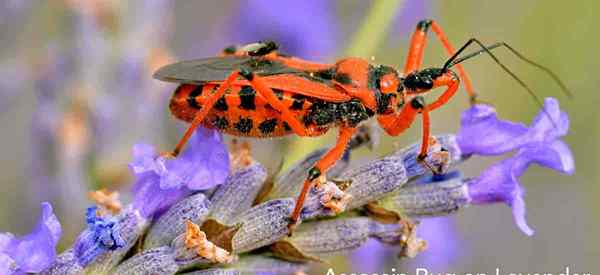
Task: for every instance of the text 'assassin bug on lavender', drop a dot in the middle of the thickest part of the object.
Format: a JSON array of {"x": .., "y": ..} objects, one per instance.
[{"x": 255, "y": 91}]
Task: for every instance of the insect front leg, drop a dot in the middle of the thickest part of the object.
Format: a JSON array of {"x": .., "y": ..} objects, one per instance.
[
  {"x": 417, "y": 49},
  {"x": 201, "y": 114},
  {"x": 395, "y": 124},
  {"x": 449, "y": 80}
]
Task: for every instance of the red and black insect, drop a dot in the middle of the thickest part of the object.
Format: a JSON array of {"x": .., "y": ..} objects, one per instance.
[{"x": 257, "y": 92}]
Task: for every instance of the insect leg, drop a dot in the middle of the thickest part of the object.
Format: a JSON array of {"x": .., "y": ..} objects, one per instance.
[
  {"x": 201, "y": 114},
  {"x": 264, "y": 90},
  {"x": 451, "y": 81},
  {"x": 395, "y": 124},
  {"x": 328, "y": 160},
  {"x": 417, "y": 48}
]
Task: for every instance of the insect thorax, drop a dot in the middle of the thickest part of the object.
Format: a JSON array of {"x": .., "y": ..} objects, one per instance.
[{"x": 325, "y": 114}]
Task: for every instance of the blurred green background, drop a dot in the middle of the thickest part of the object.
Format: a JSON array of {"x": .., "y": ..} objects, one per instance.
[{"x": 51, "y": 148}]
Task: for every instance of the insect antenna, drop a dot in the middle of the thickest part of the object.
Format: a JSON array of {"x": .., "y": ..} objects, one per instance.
[
  {"x": 487, "y": 49},
  {"x": 455, "y": 60}
]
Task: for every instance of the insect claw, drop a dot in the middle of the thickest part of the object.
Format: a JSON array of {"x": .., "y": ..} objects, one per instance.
[
  {"x": 169, "y": 154},
  {"x": 342, "y": 184},
  {"x": 292, "y": 224}
]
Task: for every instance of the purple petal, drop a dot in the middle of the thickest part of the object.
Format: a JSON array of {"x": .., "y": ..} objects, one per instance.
[
  {"x": 161, "y": 182},
  {"x": 499, "y": 183},
  {"x": 203, "y": 164},
  {"x": 143, "y": 159},
  {"x": 7, "y": 265},
  {"x": 5, "y": 241},
  {"x": 152, "y": 200},
  {"x": 550, "y": 123},
  {"x": 518, "y": 209},
  {"x": 556, "y": 156},
  {"x": 481, "y": 132},
  {"x": 484, "y": 134},
  {"x": 37, "y": 250}
]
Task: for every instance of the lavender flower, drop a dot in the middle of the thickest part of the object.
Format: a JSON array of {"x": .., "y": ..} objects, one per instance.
[
  {"x": 108, "y": 238},
  {"x": 33, "y": 252},
  {"x": 499, "y": 183},
  {"x": 101, "y": 236},
  {"x": 482, "y": 133},
  {"x": 160, "y": 182}
]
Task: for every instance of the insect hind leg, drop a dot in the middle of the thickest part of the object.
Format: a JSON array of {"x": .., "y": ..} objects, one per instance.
[
  {"x": 201, "y": 114},
  {"x": 286, "y": 115}
]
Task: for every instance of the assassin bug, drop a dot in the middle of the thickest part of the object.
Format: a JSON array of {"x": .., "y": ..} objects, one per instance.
[{"x": 255, "y": 91}]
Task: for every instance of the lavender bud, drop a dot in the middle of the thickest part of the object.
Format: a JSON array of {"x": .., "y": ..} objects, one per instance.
[
  {"x": 96, "y": 258},
  {"x": 65, "y": 264},
  {"x": 427, "y": 197},
  {"x": 237, "y": 193},
  {"x": 375, "y": 179},
  {"x": 443, "y": 152},
  {"x": 403, "y": 234},
  {"x": 311, "y": 241},
  {"x": 325, "y": 200},
  {"x": 193, "y": 247},
  {"x": 172, "y": 223},
  {"x": 154, "y": 261},
  {"x": 262, "y": 225},
  {"x": 186, "y": 257}
]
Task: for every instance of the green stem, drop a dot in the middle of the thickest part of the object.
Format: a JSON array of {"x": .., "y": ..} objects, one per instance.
[{"x": 374, "y": 28}]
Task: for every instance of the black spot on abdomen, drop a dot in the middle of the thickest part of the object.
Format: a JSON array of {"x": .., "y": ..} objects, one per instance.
[
  {"x": 247, "y": 98},
  {"x": 191, "y": 99},
  {"x": 244, "y": 125},
  {"x": 221, "y": 105},
  {"x": 220, "y": 123},
  {"x": 267, "y": 126}
]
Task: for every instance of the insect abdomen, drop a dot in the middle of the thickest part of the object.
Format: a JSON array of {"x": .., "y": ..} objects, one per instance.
[{"x": 241, "y": 111}]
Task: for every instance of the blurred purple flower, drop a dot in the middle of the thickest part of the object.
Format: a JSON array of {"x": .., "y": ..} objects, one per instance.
[
  {"x": 442, "y": 243},
  {"x": 406, "y": 20},
  {"x": 502, "y": 136},
  {"x": 34, "y": 252},
  {"x": 537, "y": 144},
  {"x": 100, "y": 236},
  {"x": 371, "y": 257},
  {"x": 14, "y": 10},
  {"x": 160, "y": 182},
  {"x": 303, "y": 28}
]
